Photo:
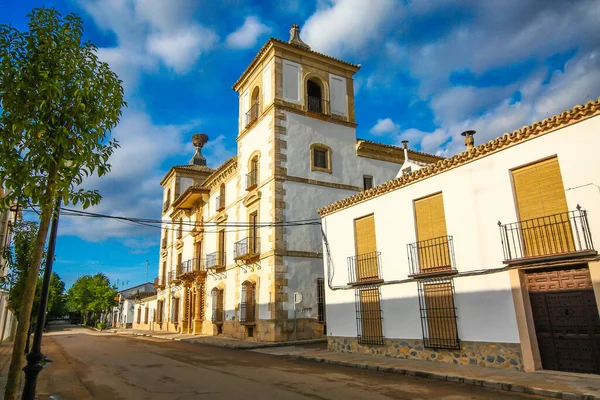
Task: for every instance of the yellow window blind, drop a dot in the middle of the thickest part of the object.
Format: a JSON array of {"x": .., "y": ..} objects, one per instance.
[
  {"x": 433, "y": 246},
  {"x": 366, "y": 248},
  {"x": 370, "y": 309}
]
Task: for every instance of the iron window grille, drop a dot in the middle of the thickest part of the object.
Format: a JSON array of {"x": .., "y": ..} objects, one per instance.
[
  {"x": 432, "y": 256},
  {"x": 364, "y": 267},
  {"x": 322, "y": 313},
  {"x": 317, "y": 105},
  {"x": 552, "y": 235},
  {"x": 248, "y": 303},
  {"x": 252, "y": 114},
  {"x": 218, "y": 314},
  {"x": 438, "y": 313},
  {"x": 246, "y": 248},
  {"x": 367, "y": 182},
  {"x": 320, "y": 158},
  {"x": 369, "y": 316},
  {"x": 192, "y": 265}
]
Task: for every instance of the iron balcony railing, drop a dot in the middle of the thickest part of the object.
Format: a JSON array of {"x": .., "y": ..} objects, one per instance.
[
  {"x": 251, "y": 179},
  {"x": 171, "y": 276},
  {"x": 166, "y": 205},
  {"x": 317, "y": 105},
  {"x": 164, "y": 243},
  {"x": 220, "y": 203},
  {"x": 252, "y": 114},
  {"x": 364, "y": 267},
  {"x": 159, "y": 281},
  {"x": 552, "y": 235},
  {"x": 431, "y": 256},
  {"x": 215, "y": 260},
  {"x": 246, "y": 248},
  {"x": 192, "y": 265}
]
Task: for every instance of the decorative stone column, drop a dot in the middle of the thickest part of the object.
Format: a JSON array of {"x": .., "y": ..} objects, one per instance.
[
  {"x": 185, "y": 305},
  {"x": 198, "y": 309}
]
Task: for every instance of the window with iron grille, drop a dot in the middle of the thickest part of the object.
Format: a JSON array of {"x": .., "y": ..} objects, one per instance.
[
  {"x": 369, "y": 319},
  {"x": 248, "y": 303},
  {"x": 367, "y": 182},
  {"x": 217, "y": 306},
  {"x": 438, "y": 314},
  {"x": 321, "y": 299}
]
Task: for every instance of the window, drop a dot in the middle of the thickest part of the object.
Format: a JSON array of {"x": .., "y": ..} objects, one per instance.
[
  {"x": 314, "y": 97},
  {"x": 252, "y": 177},
  {"x": 320, "y": 156},
  {"x": 253, "y": 246},
  {"x": 438, "y": 314},
  {"x": 368, "y": 316},
  {"x": 164, "y": 271},
  {"x": 139, "y": 315},
  {"x": 165, "y": 238},
  {"x": 367, "y": 182},
  {"x": 221, "y": 198},
  {"x": 433, "y": 248},
  {"x": 180, "y": 229},
  {"x": 339, "y": 101},
  {"x": 167, "y": 202},
  {"x": 179, "y": 263},
  {"x": 146, "y": 312},
  {"x": 198, "y": 250},
  {"x": 406, "y": 171},
  {"x": 221, "y": 249},
  {"x": 248, "y": 303},
  {"x": 252, "y": 114},
  {"x": 217, "y": 306},
  {"x": 366, "y": 259},
  {"x": 175, "y": 310},
  {"x": 321, "y": 299},
  {"x": 159, "y": 310}
]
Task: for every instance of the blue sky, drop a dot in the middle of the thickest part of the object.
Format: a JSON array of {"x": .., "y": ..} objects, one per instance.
[{"x": 430, "y": 70}]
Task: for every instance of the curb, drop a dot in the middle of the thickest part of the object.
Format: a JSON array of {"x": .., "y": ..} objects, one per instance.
[{"x": 454, "y": 378}]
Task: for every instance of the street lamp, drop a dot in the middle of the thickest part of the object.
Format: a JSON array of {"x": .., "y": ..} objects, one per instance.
[{"x": 35, "y": 356}]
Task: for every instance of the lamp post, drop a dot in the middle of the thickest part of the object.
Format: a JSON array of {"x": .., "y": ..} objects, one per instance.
[{"x": 35, "y": 356}]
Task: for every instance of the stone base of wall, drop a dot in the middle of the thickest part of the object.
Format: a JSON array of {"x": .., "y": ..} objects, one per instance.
[
  {"x": 271, "y": 330},
  {"x": 483, "y": 354}
]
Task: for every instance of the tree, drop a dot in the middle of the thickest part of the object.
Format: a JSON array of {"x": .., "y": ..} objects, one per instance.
[
  {"x": 91, "y": 295},
  {"x": 58, "y": 106}
]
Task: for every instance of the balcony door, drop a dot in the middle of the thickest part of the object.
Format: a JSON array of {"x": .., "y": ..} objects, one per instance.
[
  {"x": 543, "y": 211},
  {"x": 253, "y": 234},
  {"x": 432, "y": 236},
  {"x": 366, "y": 248},
  {"x": 221, "y": 249}
]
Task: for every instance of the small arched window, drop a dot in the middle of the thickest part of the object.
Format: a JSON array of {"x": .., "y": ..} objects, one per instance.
[
  {"x": 252, "y": 177},
  {"x": 248, "y": 303},
  {"x": 221, "y": 198},
  {"x": 252, "y": 114},
  {"x": 320, "y": 158},
  {"x": 314, "y": 96}
]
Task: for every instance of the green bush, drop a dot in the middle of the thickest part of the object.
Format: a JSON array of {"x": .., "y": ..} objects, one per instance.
[{"x": 101, "y": 325}]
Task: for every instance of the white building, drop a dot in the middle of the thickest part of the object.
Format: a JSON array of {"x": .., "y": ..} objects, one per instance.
[
  {"x": 483, "y": 258},
  {"x": 233, "y": 257}
]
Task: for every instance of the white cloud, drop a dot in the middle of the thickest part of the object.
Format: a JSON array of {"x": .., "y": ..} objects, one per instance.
[
  {"x": 341, "y": 27},
  {"x": 248, "y": 34},
  {"x": 385, "y": 126}
]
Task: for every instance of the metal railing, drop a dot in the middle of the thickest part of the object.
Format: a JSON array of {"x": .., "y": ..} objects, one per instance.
[
  {"x": 159, "y": 281},
  {"x": 215, "y": 260},
  {"x": 364, "y": 267},
  {"x": 246, "y": 248},
  {"x": 220, "y": 203},
  {"x": 192, "y": 265},
  {"x": 321, "y": 311},
  {"x": 164, "y": 243},
  {"x": 317, "y": 105},
  {"x": 252, "y": 114},
  {"x": 432, "y": 255},
  {"x": 251, "y": 179},
  {"x": 171, "y": 276},
  {"x": 552, "y": 235},
  {"x": 369, "y": 316},
  {"x": 438, "y": 313}
]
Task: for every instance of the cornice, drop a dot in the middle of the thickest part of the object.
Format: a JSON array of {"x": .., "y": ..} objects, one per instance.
[
  {"x": 569, "y": 117},
  {"x": 221, "y": 173}
]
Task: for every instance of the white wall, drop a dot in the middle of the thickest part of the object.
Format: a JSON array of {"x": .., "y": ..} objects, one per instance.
[{"x": 476, "y": 196}]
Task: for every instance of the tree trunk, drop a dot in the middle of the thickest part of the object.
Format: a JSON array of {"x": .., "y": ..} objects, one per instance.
[{"x": 17, "y": 361}]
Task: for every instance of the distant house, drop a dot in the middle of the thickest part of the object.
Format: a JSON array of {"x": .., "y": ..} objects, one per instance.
[
  {"x": 123, "y": 313},
  {"x": 484, "y": 258}
]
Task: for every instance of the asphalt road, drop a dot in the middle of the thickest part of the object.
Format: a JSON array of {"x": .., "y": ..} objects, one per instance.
[{"x": 100, "y": 366}]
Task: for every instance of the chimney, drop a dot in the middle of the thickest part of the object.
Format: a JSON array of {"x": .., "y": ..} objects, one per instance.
[
  {"x": 199, "y": 140},
  {"x": 405, "y": 147},
  {"x": 469, "y": 140},
  {"x": 295, "y": 38}
]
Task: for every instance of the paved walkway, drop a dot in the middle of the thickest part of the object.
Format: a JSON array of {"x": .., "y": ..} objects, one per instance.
[
  {"x": 218, "y": 341},
  {"x": 552, "y": 384}
]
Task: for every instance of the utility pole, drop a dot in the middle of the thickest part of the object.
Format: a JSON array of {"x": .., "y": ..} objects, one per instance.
[{"x": 35, "y": 356}]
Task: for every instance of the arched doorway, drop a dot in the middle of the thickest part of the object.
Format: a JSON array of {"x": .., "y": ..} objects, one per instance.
[{"x": 314, "y": 96}]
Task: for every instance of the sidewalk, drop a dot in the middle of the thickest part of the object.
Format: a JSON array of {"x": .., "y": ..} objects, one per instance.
[
  {"x": 558, "y": 385},
  {"x": 5, "y": 355},
  {"x": 218, "y": 341}
]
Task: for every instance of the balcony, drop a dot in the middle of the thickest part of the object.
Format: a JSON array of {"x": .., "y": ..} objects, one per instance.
[
  {"x": 252, "y": 114},
  {"x": 246, "y": 248},
  {"x": 563, "y": 235},
  {"x": 364, "y": 269},
  {"x": 192, "y": 266},
  {"x": 172, "y": 276},
  {"x": 163, "y": 243},
  {"x": 216, "y": 260},
  {"x": 159, "y": 282},
  {"x": 220, "y": 203},
  {"x": 252, "y": 179},
  {"x": 317, "y": 105},
  {"x": 432, "y": 257}
]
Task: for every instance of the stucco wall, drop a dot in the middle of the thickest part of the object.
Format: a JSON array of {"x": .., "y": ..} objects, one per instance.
[{"x": 476, "y": 196}]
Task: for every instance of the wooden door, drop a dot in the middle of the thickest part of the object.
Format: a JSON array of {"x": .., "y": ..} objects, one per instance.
[
  {"x": 433, "y": 247},
  {"x": 543, "y": 211},
  {"x": 367, "y": 261}
]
